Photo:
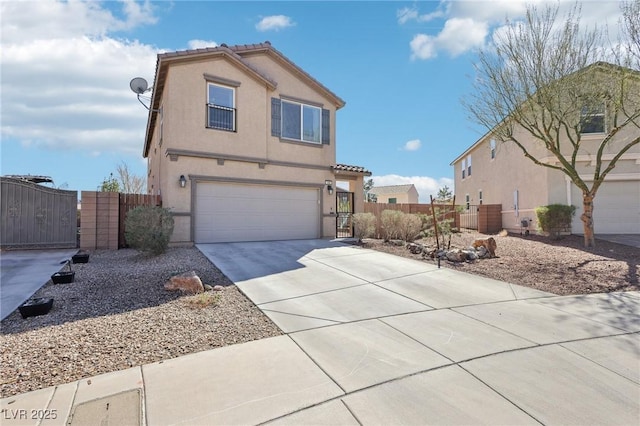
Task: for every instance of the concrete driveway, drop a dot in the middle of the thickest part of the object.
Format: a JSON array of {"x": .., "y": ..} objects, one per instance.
[
  {"x": 24, "y": 272},
  {"x": 407, "y": 343},
  {"x": 632, "y": 240},
  {"x": 376, "y": 339}
]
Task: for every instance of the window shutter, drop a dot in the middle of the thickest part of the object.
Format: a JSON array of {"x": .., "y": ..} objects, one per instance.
[
  {"x": 326, "y": 127},
  {"x": 276, "y": 120}
]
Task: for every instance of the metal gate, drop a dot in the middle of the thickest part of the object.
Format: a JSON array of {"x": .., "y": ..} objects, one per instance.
[
  {"x": 36, "y": 216},
  {"x": 344, "y": 218}
]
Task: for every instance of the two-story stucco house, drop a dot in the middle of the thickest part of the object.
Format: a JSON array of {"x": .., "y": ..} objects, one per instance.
[
  {"x": 396, "y": 194},
  {"x": 494, "y": 172},
  {"x": 241, "y": 146}
]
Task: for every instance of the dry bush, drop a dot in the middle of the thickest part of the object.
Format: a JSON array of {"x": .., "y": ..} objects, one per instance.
[{"x": 364, "y": 225}]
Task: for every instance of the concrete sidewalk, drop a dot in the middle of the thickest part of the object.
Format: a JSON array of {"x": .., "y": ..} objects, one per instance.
[{"x": 377, "y": 339}]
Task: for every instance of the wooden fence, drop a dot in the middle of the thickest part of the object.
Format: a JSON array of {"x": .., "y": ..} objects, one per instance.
[
  {"x": 102, "y": 217},
  {"x": 485, "y": 218}
]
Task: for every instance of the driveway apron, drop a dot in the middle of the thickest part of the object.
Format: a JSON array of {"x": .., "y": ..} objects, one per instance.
[{"x": 407, "y": 342}]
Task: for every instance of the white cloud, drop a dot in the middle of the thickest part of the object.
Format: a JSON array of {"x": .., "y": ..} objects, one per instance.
[
  {"x": 467, "y": 24},
  {"x": 461, "y": 35},
  {"x": 412, "y": 145},
  {"x": 201, "y": 44},
  {"x": 274, "y": 23},
  {"x": 423, "y": 47},
  {"x": 407, "y": 14},
  {"x": 65, "y": 81},
  {"x": 424, "y": 185}
]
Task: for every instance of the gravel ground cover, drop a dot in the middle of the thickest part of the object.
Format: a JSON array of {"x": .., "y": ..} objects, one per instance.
[
  {"x": 117, "y": 314},
  {"x": 561, "y": 266}
]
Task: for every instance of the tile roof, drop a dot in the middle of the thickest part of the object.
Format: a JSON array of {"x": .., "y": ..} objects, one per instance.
[
  {"x": 352, "y": 169},
  {"x": 391, "y": 189}
]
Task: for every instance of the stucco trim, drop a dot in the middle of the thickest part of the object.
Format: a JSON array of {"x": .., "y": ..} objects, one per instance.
[
  {"x": 592, "y": 158},
  {"x": 611, "y": 177},
  {"x": 225, "y": 157},
  {"x": 221, "y": 80},
  {"x": 301, "y": 101}
]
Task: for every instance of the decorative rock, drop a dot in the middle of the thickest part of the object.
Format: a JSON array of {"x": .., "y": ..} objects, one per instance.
[
  {"x": 218, "y": 288},
  {"x": 187, "y": 282},
  {"x": 471, "y": 255},
  {"x": 207, "y": 287},
  {"x": 483, "y": 252},
  {"x": 415, "y": 248},
  {"x": 456, "y": 255},
  {"x": 489, "y": 244}
]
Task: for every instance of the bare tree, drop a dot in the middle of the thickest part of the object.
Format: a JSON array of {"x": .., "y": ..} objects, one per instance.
[
  {"x": 631, "y": 29},
  {"x": 129, "y": 183},
  {"x": 545, "y": 80}
]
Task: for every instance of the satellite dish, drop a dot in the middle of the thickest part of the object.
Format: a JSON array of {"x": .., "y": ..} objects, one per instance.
[{"x": 139, "y": 85}]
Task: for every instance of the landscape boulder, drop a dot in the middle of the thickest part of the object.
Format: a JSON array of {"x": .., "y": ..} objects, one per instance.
[
  {"x": 187, "y": 282},
  {"x": 456, "y": 255}
]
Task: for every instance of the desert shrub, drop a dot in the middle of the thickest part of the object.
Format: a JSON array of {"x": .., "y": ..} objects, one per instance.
[
  {"x": 391, "y": 221},
  {"x": 148, "y": 229},
  {"x": 202, "y": 300},
  {"x": 555, "y": 218},
  {"x": 445, "y": 225},
  {"x": 364, "y": 225},
  {"x": 410, "y": 227}
]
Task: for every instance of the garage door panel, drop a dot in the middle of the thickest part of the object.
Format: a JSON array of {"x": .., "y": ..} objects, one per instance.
[
  {"x": 238, "y": 212},
  {"x": 616, "y": 208}
]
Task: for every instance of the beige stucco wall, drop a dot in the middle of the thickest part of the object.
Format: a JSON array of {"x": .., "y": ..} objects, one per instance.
[
  {"x": 250, "y": 154},
  {"x": 498, "y": 178}
]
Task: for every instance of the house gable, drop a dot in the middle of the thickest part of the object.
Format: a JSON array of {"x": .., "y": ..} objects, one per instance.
[{"x": 508, "y": 178}]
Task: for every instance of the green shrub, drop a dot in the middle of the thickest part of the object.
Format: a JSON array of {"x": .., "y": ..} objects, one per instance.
[
  {"x": 148, "y": 229},
  {"x": 555, "y": 218},
  {"x": 364, "y": 225},
  {"x": 410, "y": 227},
  {"x": 391, "y": 221}
]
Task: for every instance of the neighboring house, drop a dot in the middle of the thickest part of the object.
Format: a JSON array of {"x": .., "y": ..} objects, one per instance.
[
  {"x": 490, "y": 172},
  {"x": 395, "y": 194},
  {"x": 241, "y": 146}
]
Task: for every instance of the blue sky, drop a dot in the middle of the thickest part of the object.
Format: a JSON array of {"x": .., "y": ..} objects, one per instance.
[{"x": 402, "y": 68}]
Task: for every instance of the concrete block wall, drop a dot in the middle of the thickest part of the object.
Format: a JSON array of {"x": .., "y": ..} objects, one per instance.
[{"x": 99, "y": 219}]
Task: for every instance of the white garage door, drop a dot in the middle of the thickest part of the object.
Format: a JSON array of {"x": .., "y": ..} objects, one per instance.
[
  {"x": 226, "y": 212},
  {"x": 616, "y": 209}
]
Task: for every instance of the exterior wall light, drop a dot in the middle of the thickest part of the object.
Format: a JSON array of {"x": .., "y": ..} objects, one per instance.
[
  {"x": 183, "y": 181},
  {"x": 329, "y": 184}
]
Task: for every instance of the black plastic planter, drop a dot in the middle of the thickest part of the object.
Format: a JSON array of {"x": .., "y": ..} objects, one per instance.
[
  {"x": 64, "y": 277},
  {"x": 35, "y": 307},
  {"x": 80, "y": 258}
]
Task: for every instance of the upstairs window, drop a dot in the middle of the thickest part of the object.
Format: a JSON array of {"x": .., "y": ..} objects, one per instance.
[
  {"x": 492, "y": 145},
  {"x": 469, "y": 165},
  {"x": 298, "y": 121},
  {"x": 464, "y": 168},
  {"x": 301, "y": 122},
  {"x": 592, "y": 119},
  {"x": 221, "y": 111}
]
